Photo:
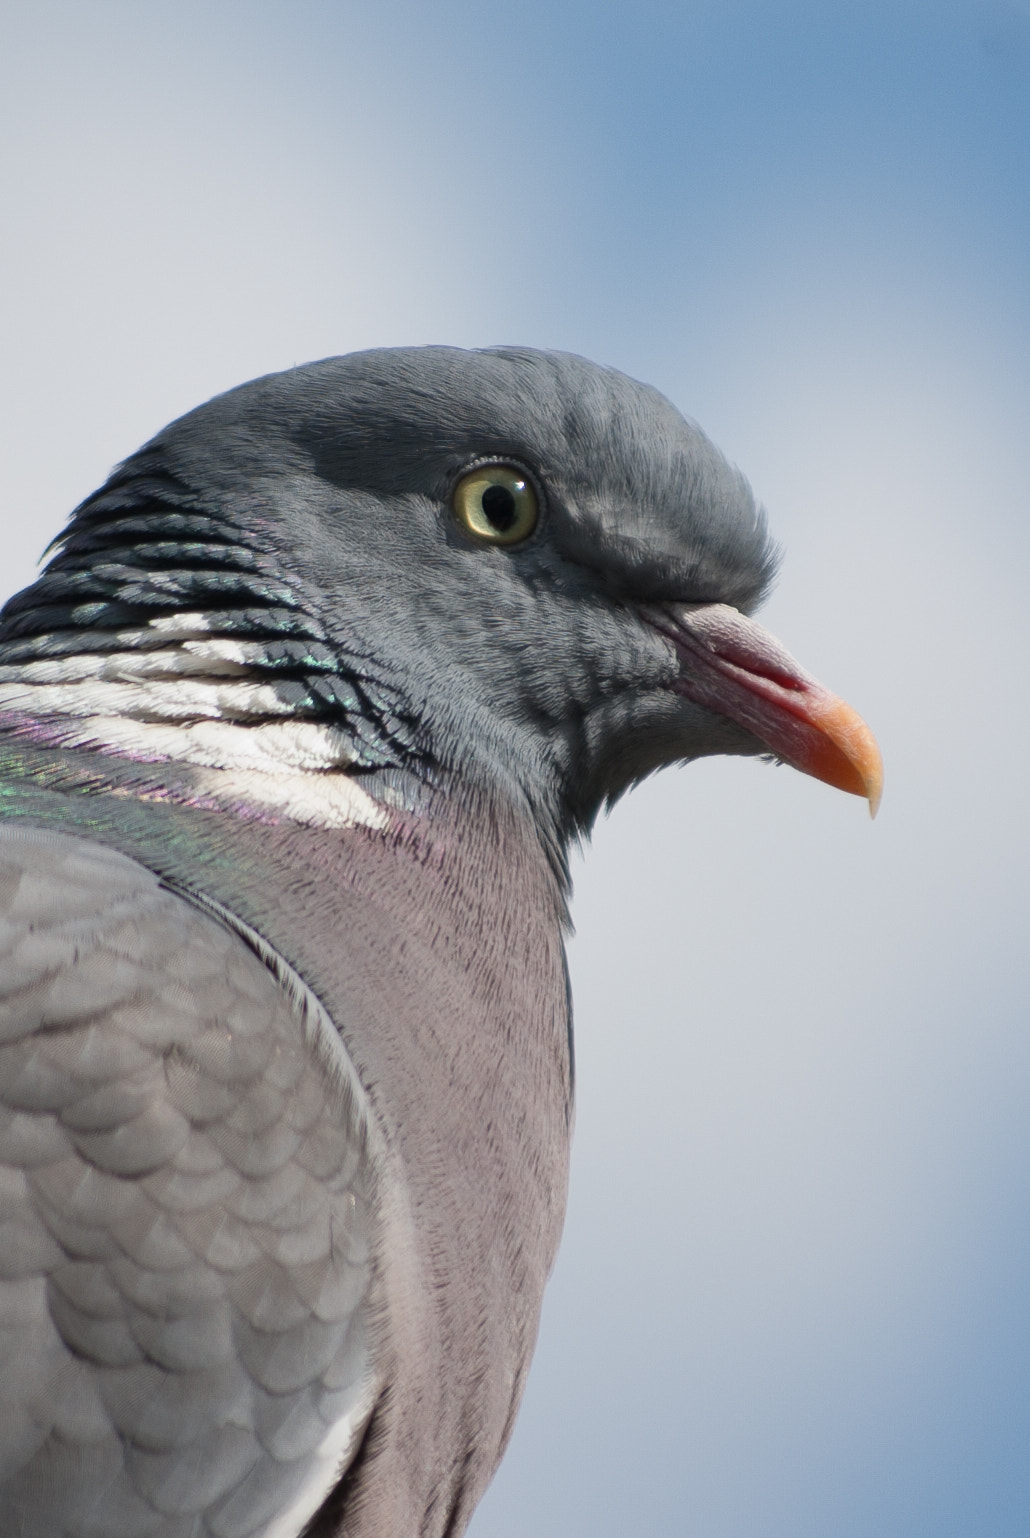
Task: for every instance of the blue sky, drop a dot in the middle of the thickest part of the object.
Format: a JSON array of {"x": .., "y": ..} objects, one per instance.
[{"x": 793, "y": 1296}]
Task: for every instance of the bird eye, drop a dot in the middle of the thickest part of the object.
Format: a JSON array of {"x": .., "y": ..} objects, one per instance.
[{"x": 496, "y": 504}]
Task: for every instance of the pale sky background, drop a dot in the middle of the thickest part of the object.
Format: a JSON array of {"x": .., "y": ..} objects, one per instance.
[{"x": 794, "y": 1295}]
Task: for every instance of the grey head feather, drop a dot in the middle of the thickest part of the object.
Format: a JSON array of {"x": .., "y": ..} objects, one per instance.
[{"x": 310, "y": 510}]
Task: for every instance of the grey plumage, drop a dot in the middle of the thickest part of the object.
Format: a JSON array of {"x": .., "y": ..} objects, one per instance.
[
  {"x": 186, "y": 1254},
  {"x": 291, "y": 760}
]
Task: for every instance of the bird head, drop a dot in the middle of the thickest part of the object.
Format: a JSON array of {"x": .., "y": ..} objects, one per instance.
[{"x": 507, "y": 569}]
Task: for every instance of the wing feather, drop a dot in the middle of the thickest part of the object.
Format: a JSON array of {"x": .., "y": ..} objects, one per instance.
[{"x": 184, "y": 1214}]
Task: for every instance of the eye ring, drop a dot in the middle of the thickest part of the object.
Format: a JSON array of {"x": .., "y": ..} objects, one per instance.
[{"x": 496, "y": 503}]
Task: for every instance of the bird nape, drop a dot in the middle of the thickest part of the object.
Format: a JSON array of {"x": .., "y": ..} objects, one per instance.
[{"x": 296, "y": 727}]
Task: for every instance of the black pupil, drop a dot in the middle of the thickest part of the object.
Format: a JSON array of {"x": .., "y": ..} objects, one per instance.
[{"x": 499, "y": 507}]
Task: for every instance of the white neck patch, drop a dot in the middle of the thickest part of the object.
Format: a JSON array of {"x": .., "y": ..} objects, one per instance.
[{"x": 176, "y": 695}]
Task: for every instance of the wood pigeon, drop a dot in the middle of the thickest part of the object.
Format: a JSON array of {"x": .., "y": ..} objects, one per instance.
[{"x": 296, "y": 728}]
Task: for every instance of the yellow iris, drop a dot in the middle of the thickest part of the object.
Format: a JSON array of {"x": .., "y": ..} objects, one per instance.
[{"x": 496, "y": 504}]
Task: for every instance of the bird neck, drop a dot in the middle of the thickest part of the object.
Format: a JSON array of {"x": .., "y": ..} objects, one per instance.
[
  {"x": 275, "y": 868},
  {"x": 161, "y": 635},
  {"x": 164, "y": 646}
]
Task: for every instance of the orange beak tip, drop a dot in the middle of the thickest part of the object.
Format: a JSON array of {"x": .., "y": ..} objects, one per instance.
[
  {"x": 870, "y": 766},
  {"x": 853, "y": 760}
]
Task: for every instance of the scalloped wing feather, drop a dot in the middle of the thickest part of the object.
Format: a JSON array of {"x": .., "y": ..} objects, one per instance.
[{"x": 185, "y": 1217}]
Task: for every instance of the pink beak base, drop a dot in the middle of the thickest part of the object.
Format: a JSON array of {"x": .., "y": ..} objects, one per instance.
[{"x": 733, "y": 667}]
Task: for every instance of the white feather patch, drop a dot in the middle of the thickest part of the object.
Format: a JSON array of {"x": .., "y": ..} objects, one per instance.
[
  {"x": 179, "y": 699},
  {"x": 189, "y": 659},
  {"x": 188, "y": 704},
  {"x": 295, "y": 769},
  {"x": 316, "y": 800},
  {"x": 180, "y": 624}
]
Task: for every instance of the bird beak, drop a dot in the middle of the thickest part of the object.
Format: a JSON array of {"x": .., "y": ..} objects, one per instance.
[{"x": 733, "y": 667}]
